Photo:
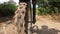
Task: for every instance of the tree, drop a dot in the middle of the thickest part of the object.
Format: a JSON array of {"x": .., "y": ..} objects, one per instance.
[
  {"x": 7, "y": 9},
  {"x": 50, "y": 4},
  {"x": 11, "y": 2}
]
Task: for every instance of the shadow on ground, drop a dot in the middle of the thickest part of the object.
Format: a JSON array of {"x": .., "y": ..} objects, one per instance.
[
  {"x": 4, "y": 19},
  {"x": 44, "y": 30}
]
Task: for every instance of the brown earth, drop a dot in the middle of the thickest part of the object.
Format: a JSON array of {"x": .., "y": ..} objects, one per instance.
[
  {"x": 48, "y": 24},
  {"x": 45, "y": 25}
]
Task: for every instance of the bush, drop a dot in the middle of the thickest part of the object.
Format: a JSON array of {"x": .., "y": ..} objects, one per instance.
[{"x": 7, "y": 9}]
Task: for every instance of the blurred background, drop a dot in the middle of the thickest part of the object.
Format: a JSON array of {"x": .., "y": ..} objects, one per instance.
[
  {"x": 47, "y": 15},
  {"x": 43, "y": 7}
]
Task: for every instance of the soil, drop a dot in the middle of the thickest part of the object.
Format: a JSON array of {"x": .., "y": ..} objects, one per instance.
[{"x": 45, "y": 25}]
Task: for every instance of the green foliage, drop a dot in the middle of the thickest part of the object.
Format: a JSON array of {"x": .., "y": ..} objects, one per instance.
[
  {"x": 48, "y": 7},
  {"x": 7, "y": 9},
  {"x": 37, "y": 12}
]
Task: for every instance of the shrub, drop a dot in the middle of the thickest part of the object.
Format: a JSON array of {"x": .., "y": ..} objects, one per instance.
[{"x": 7, "y": 9}]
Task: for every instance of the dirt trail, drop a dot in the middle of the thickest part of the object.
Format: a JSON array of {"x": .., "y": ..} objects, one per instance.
[
  {"x": 45, "y": 24},
  {"x": 47, "y": 21}
]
